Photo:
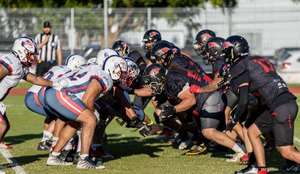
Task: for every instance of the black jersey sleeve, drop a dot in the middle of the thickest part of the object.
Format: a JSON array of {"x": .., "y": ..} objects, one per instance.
[
  {"x": 240, "y": 75},
  {"x": 176, "y": 83}
]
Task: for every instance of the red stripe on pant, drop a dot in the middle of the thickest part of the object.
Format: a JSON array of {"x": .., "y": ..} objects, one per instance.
[
  {"x": 35, "y": 96},
  {"x": 69, "y": 103}
]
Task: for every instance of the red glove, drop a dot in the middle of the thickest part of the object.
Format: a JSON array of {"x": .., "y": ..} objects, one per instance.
[{"x": 195, "y": 89}]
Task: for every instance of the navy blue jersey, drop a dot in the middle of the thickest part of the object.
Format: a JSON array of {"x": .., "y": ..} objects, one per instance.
[
  {"x": 187, "y": 63},
  {"x": 180, "y": 80},
  {"x": 262, "y": 78}
]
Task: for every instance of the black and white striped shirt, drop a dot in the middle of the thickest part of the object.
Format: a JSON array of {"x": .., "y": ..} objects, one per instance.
[{"x": 48, "y": 51}]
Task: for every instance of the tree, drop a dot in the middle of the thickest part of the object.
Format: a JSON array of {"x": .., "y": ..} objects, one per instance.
[{"x": 190, "y": 9}]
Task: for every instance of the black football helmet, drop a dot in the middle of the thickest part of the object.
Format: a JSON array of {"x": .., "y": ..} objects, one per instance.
[
  {"x": 154, "y": 77},
  {"x": 201, "y": 39},
  {"x": 150, "y": 36},
  {"x": 214, "y": 48},
  {"x": 121, "y": 47},
  {"x": 162, "y": 51},
  {"x": 235, "y": 47}
]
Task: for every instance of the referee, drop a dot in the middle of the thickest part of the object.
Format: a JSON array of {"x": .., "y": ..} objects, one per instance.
[{"x": 49, "y": 48}]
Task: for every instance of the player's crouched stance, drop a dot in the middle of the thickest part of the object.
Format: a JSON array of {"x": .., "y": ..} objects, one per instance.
[
  {"x": 13, "y": 68},
  {"x": 75, "y": 103}
]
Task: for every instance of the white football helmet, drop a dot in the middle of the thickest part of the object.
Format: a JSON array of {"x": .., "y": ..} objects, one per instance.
[
  {"x": 105, "y": 53},
  {"x": 92, "y": 60},
  {"x": 116, "y": 67},
  {"x": 25, "y": 49},
  {"x": 74, "y": 61},
  {"x": 133, "y": 70}
]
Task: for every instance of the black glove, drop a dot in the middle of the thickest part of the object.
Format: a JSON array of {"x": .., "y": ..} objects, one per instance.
[
  {"x": 230, "y": 125},
  {"x": 130, "y": 90},
  {"x": 167, "y": 111},
  {"x": 142, "y": 128}
]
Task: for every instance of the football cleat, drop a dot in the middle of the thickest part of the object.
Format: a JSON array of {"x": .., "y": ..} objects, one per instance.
[
  {"x": 5, "y": 146},
  {"x": 196, "y": 150},
  {"x": 87, "y": 163},
  {"x": 292, "y": 168},
  {"x": 236, "y": 157},
  {"x": 44, "y": 145},
  {"x": 245, "y": 158},
  {"x": 56, "y": 161},
  {"x": 185, "y": 143},
  {"x": 248, "y": 170},
  {"x": 262, "y": 171},
  {"x": 99, "y": 153}
]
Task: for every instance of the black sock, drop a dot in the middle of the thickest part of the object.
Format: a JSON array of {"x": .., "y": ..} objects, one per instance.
[{"x": 252, "y": 159}]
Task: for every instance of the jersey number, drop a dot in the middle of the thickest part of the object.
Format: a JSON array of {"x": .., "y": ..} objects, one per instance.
[
  {"x": 76, "y": 76},
  {"x": 267, "y": 65}
]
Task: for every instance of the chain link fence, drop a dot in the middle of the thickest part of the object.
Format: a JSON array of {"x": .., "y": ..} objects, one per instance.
[{"x": 265, "y": 28}]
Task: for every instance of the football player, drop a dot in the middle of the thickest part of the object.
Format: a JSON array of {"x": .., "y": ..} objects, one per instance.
[
  {"x": 257, "y": 74},
  {"x": 207, "y": 107},
  {"x": 35, "y": 102},
  {"x": 13, "y": 68}
]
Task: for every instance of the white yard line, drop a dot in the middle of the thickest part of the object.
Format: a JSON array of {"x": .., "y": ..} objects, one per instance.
[{"x": 10, "y": 159}]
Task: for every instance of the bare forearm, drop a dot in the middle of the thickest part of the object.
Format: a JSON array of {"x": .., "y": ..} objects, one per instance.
[
  {"x": 38, "y": 80},
  {"x": 208, "y": 88},
  {"x": 184, "y": 105},
  {"x": 130, "y": 113},
  {"x": 59, "y": 57},
  {"x": 143, "y": 92}
]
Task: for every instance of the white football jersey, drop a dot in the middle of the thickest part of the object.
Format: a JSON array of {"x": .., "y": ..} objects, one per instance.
[
  {"x": 16, "y": 72},
  {"x": 79, "y": 80},
  {"x": 53, "y": 73}
]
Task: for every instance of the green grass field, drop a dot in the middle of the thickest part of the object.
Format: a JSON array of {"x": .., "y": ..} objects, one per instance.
[{"x": 133, "y": 154}]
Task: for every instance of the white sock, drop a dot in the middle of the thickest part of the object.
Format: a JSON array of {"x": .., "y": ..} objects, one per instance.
[
  {"x": 46, "y": 135},
  {"x": 56, "y": 154},
  {"x": 82, "y": 156},
  {"x": 54, "y": 141},
  {"x": 237, "y": 149},
  {"x": 79, "y": 144}
]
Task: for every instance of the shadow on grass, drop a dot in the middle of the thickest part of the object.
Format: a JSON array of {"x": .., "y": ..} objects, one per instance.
[
  {"x": 18, "y": 139},
  {"x": 23, "y": 160},
  {"x": 121, "y": 146},
  {"x": 273, "y": 159}
]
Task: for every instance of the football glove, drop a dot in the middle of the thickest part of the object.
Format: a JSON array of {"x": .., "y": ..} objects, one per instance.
[
  {"x": 142, "y": 128},
  {"x": 167, "y": 111}
]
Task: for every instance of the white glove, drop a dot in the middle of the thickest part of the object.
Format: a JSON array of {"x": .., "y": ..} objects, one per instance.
[
  {"x": 60, "y": 83},
  {"x": 2, "y": 108}
]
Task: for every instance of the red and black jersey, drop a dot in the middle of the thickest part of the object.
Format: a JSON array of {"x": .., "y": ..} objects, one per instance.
[
  {"x": 179, "y": 80},
  {"x": 262, "y": 78},
  {"x": 187, "y": 63}
]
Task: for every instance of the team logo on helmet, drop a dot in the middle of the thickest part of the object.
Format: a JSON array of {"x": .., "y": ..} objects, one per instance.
[
  {"x": 153, "y": 33},
  {"x": 124, "y": 44},
  {"x": 154, "y": 71},
  {"x": 227, "y": 44},
  {"x": 165, "y": 49},
  {"x": 205, "y": 36},
  {"x": 212, "y": 44}
]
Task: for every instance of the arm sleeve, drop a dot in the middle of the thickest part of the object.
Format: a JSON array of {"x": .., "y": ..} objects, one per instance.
[{"x": 242, "y": 102}]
